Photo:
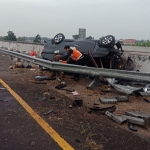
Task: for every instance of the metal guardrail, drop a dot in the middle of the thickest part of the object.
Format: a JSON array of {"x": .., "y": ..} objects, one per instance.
[{"x": 109, "y": 73}]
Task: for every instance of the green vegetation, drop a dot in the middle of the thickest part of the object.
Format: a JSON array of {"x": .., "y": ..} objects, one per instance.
[
  {"x": 76, "y": 36},
  {"x": 90, "y": 38},
  {"x": 21, "y": 38},
  {"x": 37, "y": 38},
  {"x": 10, "y": 37},
  {"x": 143, "y": 43}
]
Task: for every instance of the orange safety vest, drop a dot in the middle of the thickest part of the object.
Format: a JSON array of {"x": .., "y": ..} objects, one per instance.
[{"x": 76, "y": 55}]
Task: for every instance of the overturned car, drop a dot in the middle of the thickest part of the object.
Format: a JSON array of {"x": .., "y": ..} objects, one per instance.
[{"x": 105, "y": 52}]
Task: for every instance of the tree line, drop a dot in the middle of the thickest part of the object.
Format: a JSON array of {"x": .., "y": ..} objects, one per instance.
[
  {"x": 12, "y": 37},
  {"x": 143, "y": 43}
]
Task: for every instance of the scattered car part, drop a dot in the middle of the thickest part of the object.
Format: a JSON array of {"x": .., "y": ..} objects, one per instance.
[
  {"x": 96, "y": 104},
  {"x": 60, "y": 86},
  {"x": 3, "y": 100},
  {"x": 75, "y": 93},
  {"x": 141, "y": 115},
  {"x": 67, "y": 90},
  {"x": 131, "y": 127},
  {"x": 122, "y": 98},
  {"x": 135, "y": 120},
  {"x": 32, "y": 143},
  {"x": 106, "y": 90},
  {"x": 127, "y": 89},
  {"x": 118, "y": 119},
  {"x": 41, "y": 98},
  {"x": 103, "y": 110},
  {"x": 108, "y": 100},
  {"x": 26, "y": 64},
  {"x": 146, "y": 100},
  {"x": 77, "y": 140},
  {"x": 137, "y": 114},
  {"x": 50, "y": 111},
  {"x": 41, "y": 78},
  {"x": 146, "y": 88},
  {"x": 77, "y": 102},
  {"x": 36, "y": 82}
]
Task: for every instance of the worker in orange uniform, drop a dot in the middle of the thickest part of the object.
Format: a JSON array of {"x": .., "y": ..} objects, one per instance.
[{"x": 73, "y": 57}]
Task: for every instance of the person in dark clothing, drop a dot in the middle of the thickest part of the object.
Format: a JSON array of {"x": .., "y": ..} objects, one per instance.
[{"x": 73, "y": 57}]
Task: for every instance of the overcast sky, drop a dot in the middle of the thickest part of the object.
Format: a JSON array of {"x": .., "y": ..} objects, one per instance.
[{"x": 121, "y": 18}]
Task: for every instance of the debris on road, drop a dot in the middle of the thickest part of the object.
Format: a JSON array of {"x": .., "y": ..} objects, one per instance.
[
  {"x": 146, "y": 100},
  {"x": 118, "y": 119},
  {"x": 36, "y": 82},
  {"x": 70, "y": 106},
  {"x": 141, "y": 115},
  {"x": 41, "y": 78},
  {"x": 3, "y": 100},
  {"x": 11, "y": 67},
  {"x": 103, "y": 110},
  {"x": 60, "y": 86},
  {"x": 47, "y": 95},
  {"x": 41, "y": 98},
  {"x": 75, "y": 93},
  {"x": 114, "y": 100},
  {"x": 32, "y": 143},
  {"x": 122, "y": 98},
  {"x": 137, "y": 114},
  {"x": 144, "y": 91},
  {"x": 132, "y": 117},
  {"x": 108, "y": 100},
  {"x": 50, "y": 111},
  {"x": 78, "y": 102},
  {"x": 131, "y": 127},
  {"x": 77, "y": 140},
  {"x": 67, "y": 90},
  {"x": 135, "y": 120},
  {"x": 106, "y": 90},
  {"x": 26, "y": 64}
]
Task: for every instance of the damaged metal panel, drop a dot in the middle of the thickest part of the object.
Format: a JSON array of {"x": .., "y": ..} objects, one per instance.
[
  {"x": 128, "y": 89},
  {"x": 118, "y": 119},
  {"x": 140, "y": 115},
  {"x": 135, "y": 120}
]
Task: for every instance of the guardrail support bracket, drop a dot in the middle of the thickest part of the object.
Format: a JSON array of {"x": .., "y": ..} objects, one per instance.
[{"x": 94, "y": 83}]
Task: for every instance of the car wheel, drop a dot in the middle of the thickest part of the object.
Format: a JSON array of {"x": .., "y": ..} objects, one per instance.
[
  {"x": 58, "y": 38},
  {"x": 108, "y": 41}
]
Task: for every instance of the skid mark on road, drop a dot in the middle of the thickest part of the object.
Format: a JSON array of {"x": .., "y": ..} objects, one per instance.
[{"x": 60, "y": 141}]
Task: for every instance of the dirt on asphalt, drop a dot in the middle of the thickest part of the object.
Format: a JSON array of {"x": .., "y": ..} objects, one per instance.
[{"x": 82, "y": 130}]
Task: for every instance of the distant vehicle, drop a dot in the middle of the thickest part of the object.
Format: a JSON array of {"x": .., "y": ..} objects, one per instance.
[{"x": 104, "y": 49}]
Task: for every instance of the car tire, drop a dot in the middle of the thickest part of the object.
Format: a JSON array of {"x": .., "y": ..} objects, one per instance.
[
  {"x": 58, "y": 38},
  {"x": 107, "y": 41}
]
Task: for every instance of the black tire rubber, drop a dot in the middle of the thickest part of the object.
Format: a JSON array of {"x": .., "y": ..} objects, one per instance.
[
  {"x": 58, "y": 38},
  {"x": 107, "y": 41}
]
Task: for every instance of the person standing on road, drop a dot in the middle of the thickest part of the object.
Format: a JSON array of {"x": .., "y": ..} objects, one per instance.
[{"x": 73, "y": 56}]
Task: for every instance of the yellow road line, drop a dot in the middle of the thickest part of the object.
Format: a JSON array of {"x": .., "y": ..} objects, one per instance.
[{"x": 61, "y": 142}]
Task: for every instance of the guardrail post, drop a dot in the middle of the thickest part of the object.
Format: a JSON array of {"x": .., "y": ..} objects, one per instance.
[{"x": 94, "y": 83}]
